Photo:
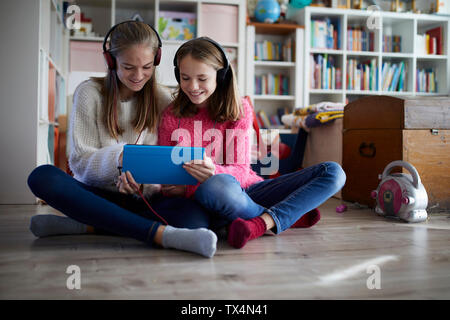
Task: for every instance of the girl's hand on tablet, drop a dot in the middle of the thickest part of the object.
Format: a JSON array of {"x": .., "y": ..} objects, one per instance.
[
  {"x": 126, "y": 184},
  {"x": 201, "y": 169}
]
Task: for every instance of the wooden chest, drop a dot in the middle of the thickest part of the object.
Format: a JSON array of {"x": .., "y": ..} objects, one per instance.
[{"x": 381, "y": 129}]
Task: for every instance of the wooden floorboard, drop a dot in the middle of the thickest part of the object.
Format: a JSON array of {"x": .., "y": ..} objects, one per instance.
[{"x": 329, "y": 261}]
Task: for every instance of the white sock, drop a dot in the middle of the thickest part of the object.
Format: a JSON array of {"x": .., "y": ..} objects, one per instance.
[
  {"x": 201, "y": 241},
  {"x": 43, "y": 225}
]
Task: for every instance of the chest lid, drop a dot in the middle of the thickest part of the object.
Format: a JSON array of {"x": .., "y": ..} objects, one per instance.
[{"x": 385, "y": 112}]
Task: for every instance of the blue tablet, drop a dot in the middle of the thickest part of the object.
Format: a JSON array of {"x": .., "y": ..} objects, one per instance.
[{"x": 160, "y": 164}]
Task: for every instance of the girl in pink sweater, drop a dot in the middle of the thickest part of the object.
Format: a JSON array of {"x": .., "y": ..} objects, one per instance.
[{"x": 208, "y": 112}]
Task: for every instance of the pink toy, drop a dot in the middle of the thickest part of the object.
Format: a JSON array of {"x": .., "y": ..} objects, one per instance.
[{"x": 341, "y": 208}]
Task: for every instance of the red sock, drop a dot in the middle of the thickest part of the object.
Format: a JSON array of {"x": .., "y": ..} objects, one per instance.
[
  {"x": 308, "y": 219},
  {"x": 241, "y": 231}
]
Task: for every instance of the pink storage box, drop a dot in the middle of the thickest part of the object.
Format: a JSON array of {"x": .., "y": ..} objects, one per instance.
[
  {"x": 220, "y": 22},
  {"x": 87, "y": 56}
]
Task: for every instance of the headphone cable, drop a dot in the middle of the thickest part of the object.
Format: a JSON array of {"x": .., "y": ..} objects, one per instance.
[{"x": 136, "y": 188}]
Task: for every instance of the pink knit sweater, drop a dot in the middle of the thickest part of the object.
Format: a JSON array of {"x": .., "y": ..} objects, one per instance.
[{"x": 228, "y": 145}]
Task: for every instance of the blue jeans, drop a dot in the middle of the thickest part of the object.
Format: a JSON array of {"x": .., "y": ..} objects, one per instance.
[
  {"x": 113, "y": 212},
  {"x": 286, "y": 198}
]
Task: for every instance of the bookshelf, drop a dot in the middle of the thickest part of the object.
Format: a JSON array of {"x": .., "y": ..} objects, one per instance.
[
  {"x": 369, "y": 59},
  {"x": 52, "y": 83},
  {"x": 224, "y": 21},
  {"x": 34, "y": 60},
  {"x": 274, "y": 69}
]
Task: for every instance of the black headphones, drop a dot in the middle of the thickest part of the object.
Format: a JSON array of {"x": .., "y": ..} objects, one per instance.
[
  {"x": 221, "y": 73},
  {"x": 111, "y": 61}
]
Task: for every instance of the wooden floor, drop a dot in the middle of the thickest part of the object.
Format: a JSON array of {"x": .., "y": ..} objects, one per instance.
[{"x": 339, "y": 258}]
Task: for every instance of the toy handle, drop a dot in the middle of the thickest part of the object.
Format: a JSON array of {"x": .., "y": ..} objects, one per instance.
[{"x": 411, "y": 169}]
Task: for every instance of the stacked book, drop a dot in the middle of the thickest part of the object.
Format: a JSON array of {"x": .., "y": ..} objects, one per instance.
[
  {"x": 265, "y": 121},
  {"x": 274, "y": 51},
  {"x": 426, "y": 80},
  {"x": 325, "y": 34},
  {"x": 430, "y": 42},
  {"x": 274, "y": 84},
  {"x": 360, "y": 40},
  {"x": 393, "y": 76},
  {"x": 362, "y": 75},
  {"x": 392, "y": 44},
  {"x": 323, "y": 72}
]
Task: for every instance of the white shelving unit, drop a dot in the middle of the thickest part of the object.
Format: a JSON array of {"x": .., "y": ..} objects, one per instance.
[
  {"x": 407, "y": 25},
  {"x": 106, "y": 13},
  {"x": 53, "y": 71},
  {"x": 293, "y": 69},
  {"x": 34, "y": 39}
]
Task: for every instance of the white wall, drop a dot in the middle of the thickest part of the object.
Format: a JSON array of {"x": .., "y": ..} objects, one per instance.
[{"x": 19, "y": 62}]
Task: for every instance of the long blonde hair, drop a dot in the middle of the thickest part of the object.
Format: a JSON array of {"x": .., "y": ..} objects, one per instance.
[
  {"x": 123, "y": 37},
  {"x": 224, "y": 104}
]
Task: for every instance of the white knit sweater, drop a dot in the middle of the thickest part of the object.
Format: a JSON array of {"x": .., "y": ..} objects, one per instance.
[{"x": 94, "y": 154}]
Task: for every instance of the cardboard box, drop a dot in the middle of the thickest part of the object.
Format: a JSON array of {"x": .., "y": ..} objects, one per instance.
[{"x": 324, "y": 143}]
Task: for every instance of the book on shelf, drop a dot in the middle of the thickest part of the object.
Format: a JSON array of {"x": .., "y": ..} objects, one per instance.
[
  {"x": 435, "y": 40},
  {"x": 259, "y": 120},
  {"x": 360, "y": 40},
  {"x": 263, "y": 119},
  {"x": 232, "y": 56},
  {"x": 43, "y": 86},
  {"x": 272, "y": 84},
  {"x": 392, "y": 43},
  {"x": 362, "y": 75},
  {"x": 53, "y": 143},
  {"x": 274, "y": 121},
  {"x": 325, "y": 33},
  {"x": 281, "y": 111},
  {"x": 51, "y": 92},
  {"x": 323, "y": 73},
  {"x": 60, "y": 97},
  {"x": 426, "y": 80},
  {"x": 393, "y": 76},
  {"x": 274, "y": 51},
  {"x": 270, "y": 121},
  {"x": 430, "y": 42}
]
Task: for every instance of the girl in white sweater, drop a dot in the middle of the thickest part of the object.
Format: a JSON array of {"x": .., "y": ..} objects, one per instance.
[{"x": 122, "y": 108}]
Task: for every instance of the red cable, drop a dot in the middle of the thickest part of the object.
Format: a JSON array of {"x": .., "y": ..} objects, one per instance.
[{"x": 148, "y": 205}]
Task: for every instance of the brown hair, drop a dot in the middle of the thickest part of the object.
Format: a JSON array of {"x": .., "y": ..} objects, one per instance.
[
  {"x": 224, "y": 104},
  {"x": 123, "y": 37}
]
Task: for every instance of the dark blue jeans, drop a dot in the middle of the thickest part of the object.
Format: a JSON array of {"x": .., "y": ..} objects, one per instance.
[
  {"x": 286, "y": 198},
  {"x": 113, "y": 212}
]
